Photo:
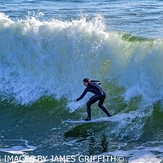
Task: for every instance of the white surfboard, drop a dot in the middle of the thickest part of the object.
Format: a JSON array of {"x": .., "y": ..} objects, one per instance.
[{"x": 104, "y": 119}]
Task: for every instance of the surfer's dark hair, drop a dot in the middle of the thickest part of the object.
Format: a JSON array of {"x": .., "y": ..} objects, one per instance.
[{"x": 86, "y": 80}]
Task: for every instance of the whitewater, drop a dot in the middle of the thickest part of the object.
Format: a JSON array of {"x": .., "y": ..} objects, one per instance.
[
  {"x": 43, "y": 60},
  {"x": 44, "y": 57}
]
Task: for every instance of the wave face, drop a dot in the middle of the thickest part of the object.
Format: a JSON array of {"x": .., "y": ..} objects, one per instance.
[{"x": 50, "y": 58}]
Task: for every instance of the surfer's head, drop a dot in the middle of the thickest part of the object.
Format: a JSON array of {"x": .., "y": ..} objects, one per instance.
[{"x": 86, "y": 81}]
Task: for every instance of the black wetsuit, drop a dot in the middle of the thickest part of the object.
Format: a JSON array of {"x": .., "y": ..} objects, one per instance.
[{"x": 99, "y": 95}]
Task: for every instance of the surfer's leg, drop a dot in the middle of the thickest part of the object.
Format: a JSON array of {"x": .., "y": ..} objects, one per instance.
[
  {"x": 100, "y": 104},
  {"x": 89, "y": 103},
  {"x": 88, "y": 112}
]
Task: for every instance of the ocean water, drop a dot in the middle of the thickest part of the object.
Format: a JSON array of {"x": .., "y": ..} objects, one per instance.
[{"x": 47, "y": 47}]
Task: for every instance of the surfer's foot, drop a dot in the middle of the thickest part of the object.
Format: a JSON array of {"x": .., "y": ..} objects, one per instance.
[{"x": 87, "y": 119}]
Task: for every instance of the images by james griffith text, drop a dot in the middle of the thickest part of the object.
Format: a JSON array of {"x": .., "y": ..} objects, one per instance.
[{"x": 62, "y": 159}]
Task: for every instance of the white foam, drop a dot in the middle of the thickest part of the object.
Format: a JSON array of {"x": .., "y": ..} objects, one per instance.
[
  {"x": 40, "y": 58},
  {"x": 141, "y": 154},
  {"x": 47, "y": 58},
  {"x": 17, "y": 149},
  {"x": 133, "y": 121}
]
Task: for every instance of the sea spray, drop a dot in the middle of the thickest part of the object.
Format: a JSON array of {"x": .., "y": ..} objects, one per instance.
[{"x": 50, "y": 58}]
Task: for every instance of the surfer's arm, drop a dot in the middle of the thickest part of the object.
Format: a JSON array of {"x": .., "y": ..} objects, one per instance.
[
  {"x": 96, "y": 81},
  {"x": 83, "y": 94}
]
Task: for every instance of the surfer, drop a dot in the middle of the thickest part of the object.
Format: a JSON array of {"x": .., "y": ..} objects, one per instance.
[{"x": 93, "y": 86}]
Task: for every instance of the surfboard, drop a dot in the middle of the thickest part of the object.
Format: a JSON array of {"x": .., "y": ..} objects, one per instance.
[{"x": 104, "y": 119}]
